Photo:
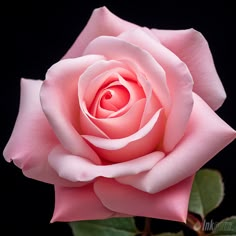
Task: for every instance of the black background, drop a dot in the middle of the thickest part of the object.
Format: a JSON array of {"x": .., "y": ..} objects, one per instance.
[{"x": 37, "y": 35}]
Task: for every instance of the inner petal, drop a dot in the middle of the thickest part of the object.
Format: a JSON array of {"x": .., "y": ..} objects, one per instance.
[{"x": 114, "y": 98}]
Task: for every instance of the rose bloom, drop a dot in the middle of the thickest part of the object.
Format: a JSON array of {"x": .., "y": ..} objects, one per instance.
[{"x": 122, "y": 123}]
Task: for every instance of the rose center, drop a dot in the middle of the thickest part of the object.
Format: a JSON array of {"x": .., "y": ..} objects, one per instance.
[
  {"x": 108, "y": 95},
  {"x": 114, "y": 98}
]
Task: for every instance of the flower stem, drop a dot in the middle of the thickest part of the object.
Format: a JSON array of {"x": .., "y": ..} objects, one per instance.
[
  {"x": 195, "y": 224},
  {"x": 147, "y": 227}
]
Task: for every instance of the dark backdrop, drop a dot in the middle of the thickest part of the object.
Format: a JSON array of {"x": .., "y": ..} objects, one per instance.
[{"x": 37, "y": 35}]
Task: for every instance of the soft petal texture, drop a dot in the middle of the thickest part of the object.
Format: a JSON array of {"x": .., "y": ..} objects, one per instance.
[
  {"x": 137, "y": 109},
  {"x": 152, "y": 103},
  {"x": 98, "y": 74},
  {"x": 119, "y": 127},
  {"x": 170, "y": 204},
  {"x": 114, "y": 144},
  {"x": 191, "y": 47},
  {"x": 179, "y": 83},
  {"x": 78, "y": 204},
  {"x": 59, "y": 100},
  {"x": 101, "y": 22},
  {"x": 32, "y": 138},
  {"x": 91, "y": 80},
  {"x": 146, "y": 64},
  {"x": 75, "y": 168},
  {"x": 205, "y": 136},
  {"x": 178, "y": 77},
  {"x": 138, "y": 144}
]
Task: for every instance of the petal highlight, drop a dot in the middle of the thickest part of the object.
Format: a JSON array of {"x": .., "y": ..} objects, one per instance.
[{"x": 75, "y": 168}]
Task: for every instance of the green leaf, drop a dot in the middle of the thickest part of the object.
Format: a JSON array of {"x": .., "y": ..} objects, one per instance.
[
  {"x": 207, "y": 192},
  {"x": 226, "y": 227},
  {"x": 171, "y": 234},
  {"x": 108, "y": 227}
]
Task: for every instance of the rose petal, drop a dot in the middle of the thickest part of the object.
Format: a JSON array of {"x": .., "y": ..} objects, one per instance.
[
  {"x": 123, "y": 94},
  {"x": 119, "y": 127},
  {"x": 101, "y": 22},
  {"x": 206, "y": 135},
  {"x": 170, "y": 204},
  {"x": 59, "y": 101},
  {"x": 114, "y": 144},
  {"x": 152, "y": 103},
  {"x": 32, "y": 137},
  {"x": 75, "y": 168},
  {"x": 146, "y": 64},
  {"x": 179, "y": 82},
  {"x": 138, "y": 144},
  {"x": 98, "y": 75},
  {"x": 89, "y": 84},
  {"x": 191, "y": 47},
  {"x": 114, "y": 98},
  {"x": 73, "y": 204}
]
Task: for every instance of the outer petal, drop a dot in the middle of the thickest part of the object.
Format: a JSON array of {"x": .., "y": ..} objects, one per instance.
[
  {"x": 191, "y": 47},
  {"x": 72, "y": 204},
  {"x": 101, "y": 22},
  {"x": 32, "y": 138},
  {"x": 206, "y": 135},
  {"x": 75, "y": 168},
  {"x": 59, "y": 99},
  {"x": 170, "y": 204},
  {"x": 179, "y": 82}
]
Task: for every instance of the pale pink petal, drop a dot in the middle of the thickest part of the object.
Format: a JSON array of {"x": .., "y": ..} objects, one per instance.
[
  {"x": 179, "y": 83},
  {"x": 138, "y": 144},
  {"x": 93, "y": 78},
  {"x": 114, "y": 144},
  {"x": 206, "y": 135},
  {"x": 101, "y": 22},
  {"x": 59, "y": 99},
  {"x": 146, "y": 64},
  {"x": 32, "y": 138},
  {"x": 88, "y": 127},
  {"x": 75, "y": 168},
  {"x": 113, "y": 98},
  {"x": 98, "y": 75},
  {"x": 118, "y": 97},
  {"x": 170, "y": 204},
  {"x": 123, "y": 126},
  {"x": 152, "y": 102},
  {"x": 191, "y": 47},
  {"x": 98, "y": 79},
  {"x": 73, "y": 204},
  {"x": 117, "y": 124}
]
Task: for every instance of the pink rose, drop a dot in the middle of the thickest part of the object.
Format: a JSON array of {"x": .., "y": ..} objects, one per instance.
[{"x": 122, "y": 123}]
